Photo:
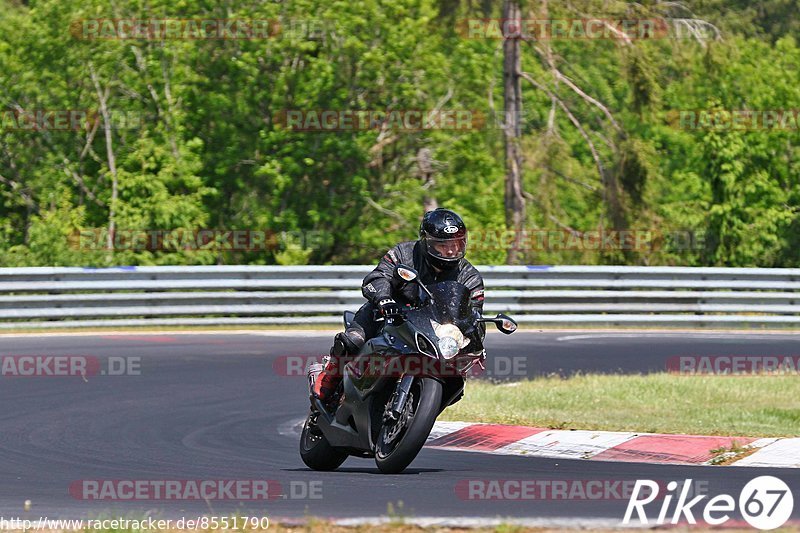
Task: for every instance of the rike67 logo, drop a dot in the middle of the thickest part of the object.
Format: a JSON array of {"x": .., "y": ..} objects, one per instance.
[{"x": 765, "y": 502}]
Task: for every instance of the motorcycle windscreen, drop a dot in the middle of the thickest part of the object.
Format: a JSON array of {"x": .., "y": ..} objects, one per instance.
[
  {"x": 451, "y": 305},
  {"x": 450, "y": 302}
]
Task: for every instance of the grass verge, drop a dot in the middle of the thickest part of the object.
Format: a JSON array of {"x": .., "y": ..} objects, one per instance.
[{"x": 745, "y": 406}]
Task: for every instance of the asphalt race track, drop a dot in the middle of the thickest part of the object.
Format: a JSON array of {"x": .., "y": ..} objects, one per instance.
[{"x": 221, "y": 407}]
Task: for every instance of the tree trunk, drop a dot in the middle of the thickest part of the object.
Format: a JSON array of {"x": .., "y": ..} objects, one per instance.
[
  {"x": 425, "y": 165},
  {"x": 102, "y": 98},
  {"x": 512, "y": 96}
]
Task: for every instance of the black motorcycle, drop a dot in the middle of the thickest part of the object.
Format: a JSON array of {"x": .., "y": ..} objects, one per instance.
[{"x": 401, "y": 380}]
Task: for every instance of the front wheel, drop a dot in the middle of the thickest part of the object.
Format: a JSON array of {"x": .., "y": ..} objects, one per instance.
[
  {"x": 315, "y": 450},
  {"x": 399, "y": 441}
]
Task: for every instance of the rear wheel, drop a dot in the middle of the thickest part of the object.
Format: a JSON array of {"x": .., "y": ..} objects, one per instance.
[
  {"x": 315, "y": 450},
  {"x": 400, "y": 440}
]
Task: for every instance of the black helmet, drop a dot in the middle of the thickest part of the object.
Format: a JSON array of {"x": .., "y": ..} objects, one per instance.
[{"x": 443, "y": 236}]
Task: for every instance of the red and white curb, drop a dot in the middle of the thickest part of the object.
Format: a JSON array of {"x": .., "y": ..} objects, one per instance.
[{"x": 610, "y": 445}]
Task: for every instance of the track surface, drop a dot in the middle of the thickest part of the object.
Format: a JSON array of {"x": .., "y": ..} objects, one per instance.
[{"x": 210, "y": 407}]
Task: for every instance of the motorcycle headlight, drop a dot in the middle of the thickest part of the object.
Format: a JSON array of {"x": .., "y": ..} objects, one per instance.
[
  {"x": 448, "y": 347},
  {"x": 451, "y": 339}
]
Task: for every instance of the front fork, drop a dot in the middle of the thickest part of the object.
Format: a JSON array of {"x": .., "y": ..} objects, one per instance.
[
  {"x": 400, "y": 396},
  {"x": 404, "y": 386}
]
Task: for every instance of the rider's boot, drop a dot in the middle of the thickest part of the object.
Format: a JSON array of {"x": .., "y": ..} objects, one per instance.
[{"x": 324, "y": 379}]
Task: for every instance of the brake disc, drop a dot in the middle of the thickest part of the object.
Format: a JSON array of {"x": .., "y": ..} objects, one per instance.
[{"x": 394, "y": 430}]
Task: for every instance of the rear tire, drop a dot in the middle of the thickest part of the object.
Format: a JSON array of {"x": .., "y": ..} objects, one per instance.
[
  {"x": 315, "y": 450},
  {"x": 392, "y": 457}
]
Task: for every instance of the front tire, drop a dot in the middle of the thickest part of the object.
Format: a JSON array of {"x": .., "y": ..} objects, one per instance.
[
  {"x": 398, "y": 446},
  {"x": 315, "y": 450}
]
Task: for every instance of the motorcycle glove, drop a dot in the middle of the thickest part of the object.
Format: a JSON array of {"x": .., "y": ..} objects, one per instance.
[{"x": 389, "y": 308}]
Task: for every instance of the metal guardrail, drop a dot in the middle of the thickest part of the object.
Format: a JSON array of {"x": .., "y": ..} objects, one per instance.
[{"x": 246, "y": 295}]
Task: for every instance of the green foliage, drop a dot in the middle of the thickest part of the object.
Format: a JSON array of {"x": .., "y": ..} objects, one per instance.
[
  {"x": 52, "y": 235},
  {"x": 212, "y": 150}
]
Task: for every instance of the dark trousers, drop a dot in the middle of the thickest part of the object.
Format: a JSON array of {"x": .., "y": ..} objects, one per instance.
[{"x": 363, "y": 328}]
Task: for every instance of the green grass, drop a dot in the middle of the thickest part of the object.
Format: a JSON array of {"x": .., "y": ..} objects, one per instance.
[{"x": 751, "y": 406}]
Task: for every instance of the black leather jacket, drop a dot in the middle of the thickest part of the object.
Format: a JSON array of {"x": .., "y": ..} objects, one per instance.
[{"x": 380, "y": 284}]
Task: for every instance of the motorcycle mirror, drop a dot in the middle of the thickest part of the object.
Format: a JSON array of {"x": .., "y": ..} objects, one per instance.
[
  {"x": 505, "y": 323},
  {"x": 408, "y": 274},
  {"x": 405, "y": 273}
]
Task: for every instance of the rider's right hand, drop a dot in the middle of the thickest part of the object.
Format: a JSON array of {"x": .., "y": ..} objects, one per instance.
[{"x": 389, "y": 308}]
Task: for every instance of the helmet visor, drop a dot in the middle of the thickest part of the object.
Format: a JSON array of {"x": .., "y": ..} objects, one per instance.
[{"x": 447, "y": 249}]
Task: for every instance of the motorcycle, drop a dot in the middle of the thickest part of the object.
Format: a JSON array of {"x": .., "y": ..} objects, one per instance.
[{"x": 393, "y": 390}]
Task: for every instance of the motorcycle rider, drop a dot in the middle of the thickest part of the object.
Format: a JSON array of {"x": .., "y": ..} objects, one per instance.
[{"x": 437, "y": 256}]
